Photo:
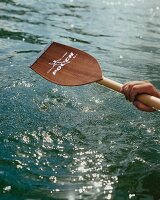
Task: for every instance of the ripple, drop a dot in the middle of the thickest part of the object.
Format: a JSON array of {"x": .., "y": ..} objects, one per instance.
[
  {"x": 20, "y": 36},
  {"x": 19, "y": 20},
  {"x": 76, "y": 39}
]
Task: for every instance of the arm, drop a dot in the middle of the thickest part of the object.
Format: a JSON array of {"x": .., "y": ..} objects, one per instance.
[{"x": 134, "y": 88}]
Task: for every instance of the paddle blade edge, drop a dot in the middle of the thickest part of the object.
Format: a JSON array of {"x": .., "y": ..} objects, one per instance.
[{"x": 67, "y": 66}]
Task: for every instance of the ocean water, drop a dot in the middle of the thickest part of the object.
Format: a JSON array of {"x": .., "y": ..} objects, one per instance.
[{"x": 87, "y": 142}]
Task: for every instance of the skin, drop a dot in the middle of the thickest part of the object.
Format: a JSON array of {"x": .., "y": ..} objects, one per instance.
[{"x": 134, "y": 88}]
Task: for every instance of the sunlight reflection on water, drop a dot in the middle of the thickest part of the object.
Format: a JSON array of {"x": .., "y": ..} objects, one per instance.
[{"x": 81, "y": 142}]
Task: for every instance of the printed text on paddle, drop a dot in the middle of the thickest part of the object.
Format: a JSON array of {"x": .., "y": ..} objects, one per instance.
[{"x": 57, "y": 65}]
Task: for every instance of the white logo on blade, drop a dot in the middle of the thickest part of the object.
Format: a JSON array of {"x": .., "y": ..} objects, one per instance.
[{"x": 57, "y": 65}]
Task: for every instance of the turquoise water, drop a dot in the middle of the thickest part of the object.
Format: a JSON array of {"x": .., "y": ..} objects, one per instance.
[{"x": 81, "y": 142}]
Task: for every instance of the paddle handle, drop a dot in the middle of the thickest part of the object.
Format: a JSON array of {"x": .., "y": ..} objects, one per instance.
[{"x": 148, "y": 100}]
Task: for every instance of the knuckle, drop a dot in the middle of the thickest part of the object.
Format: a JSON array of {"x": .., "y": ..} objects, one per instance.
[{"x": 134, "y": 88}]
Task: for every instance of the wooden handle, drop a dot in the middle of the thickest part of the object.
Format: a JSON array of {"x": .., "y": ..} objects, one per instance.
[
  {"x": 111, "y": 84},
  {"x": 148, "y": 100}
]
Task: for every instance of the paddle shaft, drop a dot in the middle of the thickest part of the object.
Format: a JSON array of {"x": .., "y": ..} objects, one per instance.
[{"x": 148, "y": 100}]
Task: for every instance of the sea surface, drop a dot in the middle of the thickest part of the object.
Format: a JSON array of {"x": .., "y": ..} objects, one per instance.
[{"x": 86, "y": 142}]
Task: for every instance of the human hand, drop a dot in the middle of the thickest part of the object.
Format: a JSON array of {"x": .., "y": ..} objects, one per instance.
[{"x": 134, "y": 88}]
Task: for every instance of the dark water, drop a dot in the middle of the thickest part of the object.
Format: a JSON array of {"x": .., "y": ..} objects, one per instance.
[{"x": 82, "y": 142}]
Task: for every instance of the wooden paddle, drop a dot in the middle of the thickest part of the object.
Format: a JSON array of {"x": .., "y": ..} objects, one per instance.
[{"x": 68, "y": 66}]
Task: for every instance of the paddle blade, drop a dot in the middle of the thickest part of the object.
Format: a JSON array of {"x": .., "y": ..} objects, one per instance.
[{"x": 65, "y": 65}]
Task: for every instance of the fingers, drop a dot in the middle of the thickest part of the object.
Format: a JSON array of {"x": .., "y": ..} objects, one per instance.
[
  {"x": 132, "y": 89},
  {"x": 143, "y": 107}
]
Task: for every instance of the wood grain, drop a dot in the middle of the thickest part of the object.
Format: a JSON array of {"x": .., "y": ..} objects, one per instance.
[{"x": 82, "y": 69}]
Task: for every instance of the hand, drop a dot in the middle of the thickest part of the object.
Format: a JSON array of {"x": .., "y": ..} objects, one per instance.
[{"x": 134, "y": 88}]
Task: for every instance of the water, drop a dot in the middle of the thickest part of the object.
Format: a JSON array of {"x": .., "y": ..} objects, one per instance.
[{"x": 81, "y": 142}]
